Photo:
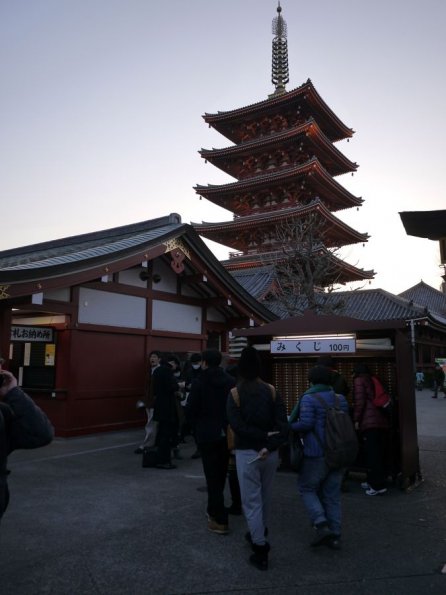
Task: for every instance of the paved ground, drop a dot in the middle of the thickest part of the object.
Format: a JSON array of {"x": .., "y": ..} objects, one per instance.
[{"x": 85, "y": 518}]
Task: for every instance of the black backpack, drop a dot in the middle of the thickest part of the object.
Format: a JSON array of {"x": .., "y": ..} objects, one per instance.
[{"x": 341, "y": 442}]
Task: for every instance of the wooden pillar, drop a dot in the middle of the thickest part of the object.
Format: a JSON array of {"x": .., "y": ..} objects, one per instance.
[
  {"x": 407, "y": 414},
  {"x": 5, "y": 332}
]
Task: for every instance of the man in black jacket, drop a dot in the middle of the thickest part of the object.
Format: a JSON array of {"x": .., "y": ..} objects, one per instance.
[
  {"x": 22, "y": 425},
  {"x": 163, "y": 388},
  {"x": 206, "y": 412}
]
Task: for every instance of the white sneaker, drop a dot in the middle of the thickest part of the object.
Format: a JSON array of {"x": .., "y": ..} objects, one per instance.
[
  {"x": 365, "y": 485},
  {"x": 372, "y": 492}
]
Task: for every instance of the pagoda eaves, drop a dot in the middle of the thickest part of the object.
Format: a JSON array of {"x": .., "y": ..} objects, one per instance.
[
  {"x": 312, "y": 175},
  {"x": 346, "y": 273},
  {"x": 239, "y": 232},
  {"x": 278, "y": 150},
  {"x": 304, "y": 99}
]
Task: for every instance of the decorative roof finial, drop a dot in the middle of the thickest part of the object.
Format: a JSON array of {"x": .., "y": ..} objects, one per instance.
[{"x": 280, "y": 74}]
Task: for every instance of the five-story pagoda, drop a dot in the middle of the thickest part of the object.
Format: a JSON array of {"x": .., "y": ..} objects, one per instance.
[{"x": 285, "y": 162}]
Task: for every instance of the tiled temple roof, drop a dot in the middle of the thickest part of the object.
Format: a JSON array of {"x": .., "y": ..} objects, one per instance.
[
  {"x": 368, "y": 304},
  {"x": 256, "y": 281},
  {"x": 78, "y": 259},
  {"x": 82, "y": 250},
  {"x": 427, "y": 296}
]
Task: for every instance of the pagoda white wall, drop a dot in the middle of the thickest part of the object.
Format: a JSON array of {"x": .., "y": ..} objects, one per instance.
[
  {"x": 111, "y": 309},
  {"x": 181, "y": 318},
  {"x": 131, "y": 277},
  {"x": 168, "y": 278},
  {"x": 60, "y": 295}
]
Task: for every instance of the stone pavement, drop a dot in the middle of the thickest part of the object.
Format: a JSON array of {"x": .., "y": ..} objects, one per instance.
[{"x": 86, "y": 518}]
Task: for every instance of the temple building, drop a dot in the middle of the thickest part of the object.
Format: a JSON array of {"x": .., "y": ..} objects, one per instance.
[
  {"x": 80, "y": 315},
  {"x": 285, "y": 163}
]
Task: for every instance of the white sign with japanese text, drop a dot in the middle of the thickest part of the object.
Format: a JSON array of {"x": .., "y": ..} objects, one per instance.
[
  {"x": 32, "y": 334},
  {"x": 314, "y": 345}
]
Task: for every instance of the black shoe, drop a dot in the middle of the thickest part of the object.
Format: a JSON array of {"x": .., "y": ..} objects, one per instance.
[
  {"x": 138, "y": 451},
  {"x": 165, "y": 466},
  {"x": 334, "y": 542},
  {"x": 323, "y": 534},
  {"x": 259, "y": 558}
]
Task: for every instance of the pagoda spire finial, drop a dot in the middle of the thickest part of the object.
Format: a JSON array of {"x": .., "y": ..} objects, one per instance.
[{"x": 280, "y": 73}]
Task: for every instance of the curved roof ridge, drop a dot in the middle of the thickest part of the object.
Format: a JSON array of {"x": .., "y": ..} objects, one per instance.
[
  {"x": 312, "y": 163},
  {"x": 93, "y": 236},
  {"x": 279, "y": 99},
  {"x": 315, "y": 204}
]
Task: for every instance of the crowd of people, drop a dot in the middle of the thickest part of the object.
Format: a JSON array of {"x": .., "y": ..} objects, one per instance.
[{"x": 240, "y": 428}]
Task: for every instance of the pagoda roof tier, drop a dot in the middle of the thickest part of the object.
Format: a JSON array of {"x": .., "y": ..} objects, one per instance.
[
  {"x": 346, "y": 273},
  {"x": 235, "y": 195},
  {"x": 239, "y": 160},
  {"x": 239, "y": 232},
  {"x": 304, "y": 98}
]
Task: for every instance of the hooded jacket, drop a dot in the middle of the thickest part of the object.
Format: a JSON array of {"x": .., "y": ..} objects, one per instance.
[
  {"x": 365, "y": 412},
  {"x": 206, "y": 405},
  {"x": 22, "y": 425}
]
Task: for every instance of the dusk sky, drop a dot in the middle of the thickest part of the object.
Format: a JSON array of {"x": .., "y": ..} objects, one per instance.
[{"x": 101, "y": 105}]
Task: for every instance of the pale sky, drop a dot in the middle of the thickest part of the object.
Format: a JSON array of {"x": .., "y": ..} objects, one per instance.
[{"x": 101, "y": 105}]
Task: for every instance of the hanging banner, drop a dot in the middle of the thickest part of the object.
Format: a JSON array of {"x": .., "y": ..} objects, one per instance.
[{"x": 330, "y": 345}]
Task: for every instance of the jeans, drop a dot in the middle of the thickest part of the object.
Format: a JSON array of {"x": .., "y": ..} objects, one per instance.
[
  {"x": 256, "y": 486},
  {"x": 214, "y": 456},
  {"x": 320, "y": 490}
]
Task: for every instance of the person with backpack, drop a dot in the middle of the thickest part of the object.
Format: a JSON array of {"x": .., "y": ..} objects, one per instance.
[
  {"x": 338, "y": 381},
  {"x": 22, "y": 425},
  {"x": 374, "y": 424},
  {"x": 257, "y": 416},
  {"x": 320, "y": 478}
]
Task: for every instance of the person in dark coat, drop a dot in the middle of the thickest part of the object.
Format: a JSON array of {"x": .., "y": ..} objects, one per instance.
[
  {"x": 374, "y": 426},
  {"x": 163, "y": 389},
  {"x": 438, "y": 380},
  {"x": 22, "y": 425},
  {"x": 206, "y": 412},
  {"x": 191, "y": 373}
]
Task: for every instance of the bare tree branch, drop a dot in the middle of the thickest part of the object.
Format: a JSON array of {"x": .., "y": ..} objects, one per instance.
[{"x": 306, "y": 269}]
